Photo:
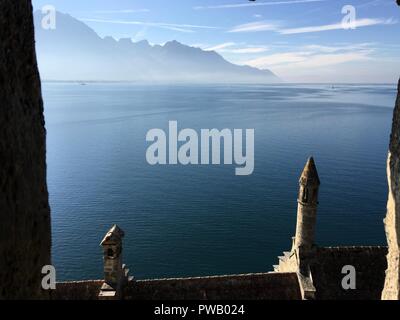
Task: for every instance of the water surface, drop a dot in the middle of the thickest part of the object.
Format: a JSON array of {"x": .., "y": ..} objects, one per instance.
[{"x": 202, "y": 220}]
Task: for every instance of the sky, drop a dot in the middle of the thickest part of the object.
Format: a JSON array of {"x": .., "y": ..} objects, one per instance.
[{"x": 299, "y": 40}]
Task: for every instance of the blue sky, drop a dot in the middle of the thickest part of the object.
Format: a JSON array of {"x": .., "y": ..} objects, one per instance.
[{"x": 299, "y": 40}]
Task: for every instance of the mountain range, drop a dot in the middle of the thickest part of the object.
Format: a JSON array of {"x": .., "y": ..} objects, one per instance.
[{"x": 75, "y": 52}]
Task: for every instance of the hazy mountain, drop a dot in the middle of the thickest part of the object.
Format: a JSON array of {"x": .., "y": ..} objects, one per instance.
[{"x": 73, "y": 51}]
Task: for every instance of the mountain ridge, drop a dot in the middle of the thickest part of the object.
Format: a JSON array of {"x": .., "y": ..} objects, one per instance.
[{"x": 75, "y": 52}]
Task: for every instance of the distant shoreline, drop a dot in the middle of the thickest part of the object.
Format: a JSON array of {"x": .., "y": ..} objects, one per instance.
[{"x": 218, "y": 83}]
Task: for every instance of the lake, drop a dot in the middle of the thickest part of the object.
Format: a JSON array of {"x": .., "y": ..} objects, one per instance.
[{"x": 204, "y": 220}]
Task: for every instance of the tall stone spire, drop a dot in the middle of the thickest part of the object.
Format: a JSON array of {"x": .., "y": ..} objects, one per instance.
[
  {"x": 391, "y": 290},
  {"x": 303, "y": 251},
  {"x": 307, "y": 206}
]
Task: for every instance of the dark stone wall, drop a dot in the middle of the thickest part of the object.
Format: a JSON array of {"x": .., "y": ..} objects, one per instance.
[
  {"x": 369, "y": 262},
  {"x": 392, "y": 221},
  {"x": 77, "y": 290},
  {"x": 25, "y": 238},
  {"x": 263, "y": 286},
  {"x": 395, "y": 135}
]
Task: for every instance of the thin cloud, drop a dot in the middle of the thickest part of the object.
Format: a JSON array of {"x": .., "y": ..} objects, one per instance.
[
  {"x": 337, "y": 26},
  {"x": 236, "y": 48},
  {"x": 249, "y": 50},
  {"x": 274, "y": 26},
  {"x": 278, "y": 59},
  {"x": 177, "y": 29},
  {"x": 255, "y": 27},
  {"x": 314, "y": 56},
  {"x": 299, "y": 66},
  {"x": 220, "y": 46},
  {"x": 367, "y": 46},
  {"x": 169, "y": 26},
  {"x": 123, "y": 11},
  {"x": 255, "y": 4},
  {"x": 326, "y": 60}
]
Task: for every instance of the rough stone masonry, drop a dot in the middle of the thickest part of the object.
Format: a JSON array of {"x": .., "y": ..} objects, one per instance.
[
  {"x": 25, "y": 238},
  {"x": 391, "y": 290}
]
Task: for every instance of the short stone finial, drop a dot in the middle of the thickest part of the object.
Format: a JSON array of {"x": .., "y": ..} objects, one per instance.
[
  {"x": 115, "y": 273},
  {"x": 114, "y": 236}
]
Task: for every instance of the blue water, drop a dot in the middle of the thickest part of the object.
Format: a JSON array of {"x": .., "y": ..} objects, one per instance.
[{"x": 202, "y": 220}]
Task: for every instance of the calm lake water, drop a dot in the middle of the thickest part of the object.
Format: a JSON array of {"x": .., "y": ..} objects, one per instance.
[{"x": 202, "y": 220}]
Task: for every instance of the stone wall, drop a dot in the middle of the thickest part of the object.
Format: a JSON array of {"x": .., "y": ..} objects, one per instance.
[
  {"x": 392, "y": 220},
  {"x": 25, "y": 238},
  {"x": 263, "y": 286},
  {"x": 77, "y": 290},
  {"x": 369, "y": 263}
]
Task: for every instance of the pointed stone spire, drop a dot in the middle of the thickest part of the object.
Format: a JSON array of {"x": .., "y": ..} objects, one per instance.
[
  {"x": 309, "y": 175},
  {"x": 307, "y": 207}
]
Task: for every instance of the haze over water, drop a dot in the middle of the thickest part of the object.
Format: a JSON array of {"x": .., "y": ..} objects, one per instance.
[{"x": 204, "y": 220}]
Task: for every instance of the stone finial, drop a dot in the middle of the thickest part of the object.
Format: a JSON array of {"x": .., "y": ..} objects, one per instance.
[
  {"x": 309, "y": 175},
  {"x": 115, "y": 273},
  {"x": 113, "y": 236}
]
